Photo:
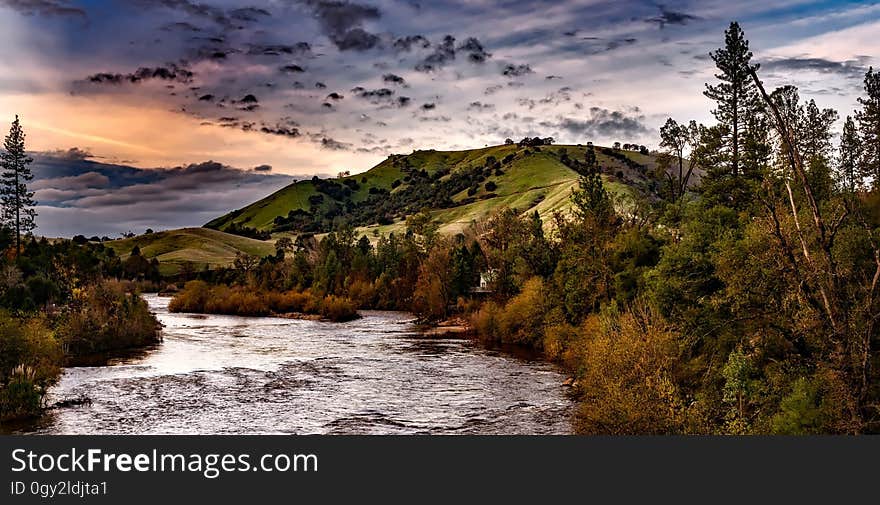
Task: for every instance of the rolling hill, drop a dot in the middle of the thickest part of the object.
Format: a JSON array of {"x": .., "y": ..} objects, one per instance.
[
  {"x": 457, "y": 187},
  {"x": 198, "y": 246}
]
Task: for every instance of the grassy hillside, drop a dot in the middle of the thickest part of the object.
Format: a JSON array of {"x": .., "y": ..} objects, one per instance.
[
  {"x": 199, "y": 246},
  {"x": 458, "y": 186}
]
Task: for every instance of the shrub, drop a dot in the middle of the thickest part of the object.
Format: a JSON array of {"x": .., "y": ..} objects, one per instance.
[
  {"x": 522, "y": 320},
  {"x": 192, "y": 298},
  {"x": 338, "y": 309},
  {"x": 627, "y": 372},
  {"x": 106, "y": 317},
  {"x": 200, "y": 297},
  {"x": 485, "y": 321},
  {"x": 30, "y": 362}
]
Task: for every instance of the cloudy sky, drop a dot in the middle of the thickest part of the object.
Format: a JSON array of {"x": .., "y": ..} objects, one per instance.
[{"x": 264, "y": 88}]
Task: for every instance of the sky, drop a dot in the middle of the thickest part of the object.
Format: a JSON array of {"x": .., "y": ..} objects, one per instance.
[{"x": 167, "y": 113}]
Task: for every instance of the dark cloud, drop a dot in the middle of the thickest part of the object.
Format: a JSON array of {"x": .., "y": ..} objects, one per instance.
[
  {"x": 475, "y": 50},
  {"x": 357, "y": 39},
  {"x": 228, "y": 19},
  {"x": 394, "y": 79},
  {"x": 181, "y": 26},
  {"x": 334, "y": 145},
  {"x": 517, "y": 70},
  {"x": 480, "y": 106},
  {"x": 86, "y": 197},
  {"x": 429, "y": 106},
  {"x": 443, "y": 54},
  {"x": 86, "y": 180},
  {"x": 300, "y": 49},
  {"x": 342, "y": 22},
  {"x": 668, "y": 17},
  {"x": 250, "y": 14},
  {"x": 601, "y": 123},
  {"x": 597, "y": 45},
  {"x": 44, "y": 8},
  {"x": 335, "y": 96},
  {"x": 206, "y": 98},
  {"x": 848, "y": 68},
  {"x": 74, "y": 153},
  {"x": 410, "y": 41},
  {"x": 280, "y": 130},
  {"x": 292, "y": 69},
  {"x": 171, "y": 72},
  {"x": 491, "y": 90},
  {"x": 374, "y": 96}
]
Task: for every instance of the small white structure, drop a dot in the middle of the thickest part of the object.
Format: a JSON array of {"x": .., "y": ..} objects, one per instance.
[{"x": 486, "y": 279}]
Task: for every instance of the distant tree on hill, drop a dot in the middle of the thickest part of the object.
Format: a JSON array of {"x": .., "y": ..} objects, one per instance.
[{"x": 18, "y": 203}]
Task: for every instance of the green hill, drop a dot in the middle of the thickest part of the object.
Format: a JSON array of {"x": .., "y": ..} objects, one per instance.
[
  {"x": 198, "y": 246},
  {"x": 457, "y": 186}
]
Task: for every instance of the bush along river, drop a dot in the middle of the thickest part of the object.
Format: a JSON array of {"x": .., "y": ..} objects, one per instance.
[{"x": 379, "y": 374}]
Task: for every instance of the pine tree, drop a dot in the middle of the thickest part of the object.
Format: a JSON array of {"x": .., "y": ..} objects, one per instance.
[
  {"x": 816, "y": 142},
  {"x": 18, "y": 203},
  {"x": 848, "y": 157},
  {"x": 869, "y": 127},
  {"x": 735, "y": 94}
]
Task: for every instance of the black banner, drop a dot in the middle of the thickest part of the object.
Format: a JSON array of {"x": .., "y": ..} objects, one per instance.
[{"x": 164, "y": 469}]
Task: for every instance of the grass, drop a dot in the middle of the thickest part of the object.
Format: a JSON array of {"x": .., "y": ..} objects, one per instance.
[
  {"x": 199, "y": 246},
  {"x": 536, "y": 182}
]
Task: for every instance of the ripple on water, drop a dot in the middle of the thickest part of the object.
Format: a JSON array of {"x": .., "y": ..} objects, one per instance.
[{"x": 375, "y": 375}]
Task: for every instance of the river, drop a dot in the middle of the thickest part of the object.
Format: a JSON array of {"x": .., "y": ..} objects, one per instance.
[{"x": 217, "y": 374}]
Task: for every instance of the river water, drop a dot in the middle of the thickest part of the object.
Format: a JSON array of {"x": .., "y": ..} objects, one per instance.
[{"x": 253, "y": 375}]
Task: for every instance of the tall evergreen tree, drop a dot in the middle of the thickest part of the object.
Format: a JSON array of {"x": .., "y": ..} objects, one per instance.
[
  {"x": 18, "y": 203},
  {"x": 816, "y": 142},
  {"x": 735, "y": 94},
  {"x": 869, "y": 127},
  {"x": 848, "y": 157}
]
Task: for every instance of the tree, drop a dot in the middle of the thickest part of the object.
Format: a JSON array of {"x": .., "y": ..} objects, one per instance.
[
  {"x": 869, "y": 127},
  {"x": 848, "y": 157},
  {"x": 678, "y": 138},
  {"x": 18, "y": 202},
  {"x": 735, "y": 95},
  {"x": 817, "y": 135},
  {"x": 591, "y": 200}
]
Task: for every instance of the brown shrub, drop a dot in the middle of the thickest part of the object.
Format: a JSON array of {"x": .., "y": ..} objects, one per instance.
[
  {"x": 627, "y": 376},
  {"x": 105, "y": 317}
]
